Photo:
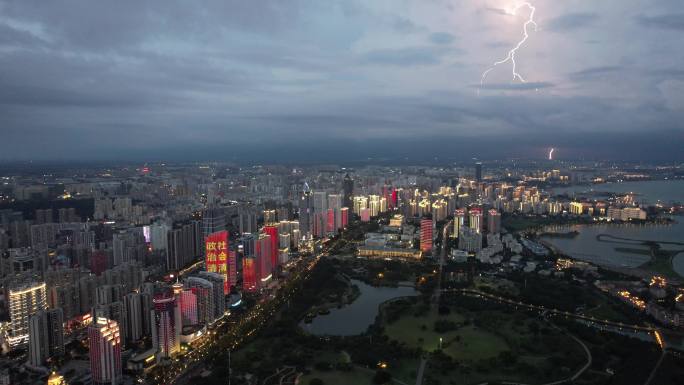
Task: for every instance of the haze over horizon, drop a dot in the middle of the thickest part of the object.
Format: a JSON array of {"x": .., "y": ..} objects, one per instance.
[{"x": 344, "y": 80}]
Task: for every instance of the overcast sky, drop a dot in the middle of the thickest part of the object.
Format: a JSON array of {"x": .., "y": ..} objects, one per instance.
[{"x": 302, "y": 79}]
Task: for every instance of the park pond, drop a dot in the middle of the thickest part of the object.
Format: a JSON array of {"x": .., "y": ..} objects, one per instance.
[
  {"x": 355, "y": 318},
  {"x": 588, "y": 246},
  {"x": 647, "y": 192}
]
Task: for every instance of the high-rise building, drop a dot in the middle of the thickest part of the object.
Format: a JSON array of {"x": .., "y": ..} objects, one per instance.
[
  {"x": 188, "y": 307},
  {"x": 426, "y": 235},
  {"x": 204, "y": 298},
  {"x": 166, "y": 336},
  {"x": 320, "y": 201},
  {"x": 249, "y": 274},
  {"x": 344, "y": 215},
  {"x": 184, "y": 245},
  {"x": 248, "y": 219},
  {"x": 475, "y": 221},
  {"x": 272, "y": 232},
  {"x": 348, "y": 190},
  {"x": 218, "y": 295},
  {"x": 46, "y": 336},
  {"x": 213, "y": 220},
  {"x": 494, "y": 221},
  {"x": 137, "y": 310},
  {"x": 270, "y": 217},
  {"x": 217, "y": 256},
  {"x": 478, "y": 171},
  {"x": 104, "y": 340},
  {"x": 264, "y": 259},
  {"x": 25, "y": 300},
  {"x": 470, "y": 240},
  {"x": 459, "y": 221}
]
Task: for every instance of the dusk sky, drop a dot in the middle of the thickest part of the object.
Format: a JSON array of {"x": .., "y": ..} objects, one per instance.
[{"x": 291, "y": 79}]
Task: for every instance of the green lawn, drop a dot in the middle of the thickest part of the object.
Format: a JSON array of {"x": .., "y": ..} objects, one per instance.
[
  {"x": 335, "y": 377},
  {"x": 470, "y": 343},
  {"x": 467, "y": 342}
]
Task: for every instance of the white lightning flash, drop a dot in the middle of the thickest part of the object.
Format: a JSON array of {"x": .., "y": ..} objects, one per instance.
[
  {"x": 511, "y": 54},
  {"x": 551, "y": 154}
]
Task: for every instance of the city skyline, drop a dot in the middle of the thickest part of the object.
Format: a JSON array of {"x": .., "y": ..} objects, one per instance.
[{"x": 231, "y": 81}]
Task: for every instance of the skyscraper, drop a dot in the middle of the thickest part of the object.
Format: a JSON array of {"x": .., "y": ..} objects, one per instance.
[
  {"x": 478, "y": 171},
  {"x": 218, "y": 295},
  {"x": 264, "y": 267},
  {"x": 249, "y": 274},
  {"x": 459, "y": 221},
  {"x": 213, "y": 220},
  {"x": 217, "y": 256},
  {"x": 25, "y": 300},
  {"x": 105, "y": 351},
  {"x": 46, "y": 336},
  {"x": 475, "y": 222},
  {"x": 426, "y": 235},
  {"x": 272, "y": 232},
  {"x": 347, "y": 190},
  {"x": 494, "y": 222},
  {"x": 136, "y": 311},
  {"x": 166, "y": 338},
  {"x": 204, "y": 298}
]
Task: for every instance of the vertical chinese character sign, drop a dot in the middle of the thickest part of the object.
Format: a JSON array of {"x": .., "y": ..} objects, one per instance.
[{"x": 217, "y": 256}]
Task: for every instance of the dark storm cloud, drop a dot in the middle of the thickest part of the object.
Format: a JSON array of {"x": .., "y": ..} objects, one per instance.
[
  {"x": 572, "y": 21},
  {"x": 83, "y": 79},
  {"x": 403, "y": 57},
  {"x": 674, "y": 21},
  {"x": 442, "y": 38},
  {"x": 514, "y": 86},
  {"x": 593, "y": 72}
]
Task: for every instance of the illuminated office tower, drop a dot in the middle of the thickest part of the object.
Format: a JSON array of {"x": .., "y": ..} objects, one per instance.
[
  {"x": 330, "y": 220},
  {"x": 478, "y": 171},
  {"x": 213, "y": 221},
  {"x": 494, "y": 222},
  {"x": 188, "y": 307},
  {"x": 344, "y": 217},
  {"x": 360, "y": 203},
  {"x": 272, "y": 232},
  {"x": 217, "y": 255},
  {"x": 25, "y": 300},
  {"x": 319, "y": 224},
  {"x": 249, "y": 274},
  {"x": 394, "y": 199},
  {"x": 46, "y": 336},
  {"x": 105, "y": 351},
  {"x": 204, "y": 298},
  {"x": 284, "y": 247},
  {"x": 166, "y": 338},
  {"x": 374, "y": 205},
  {"x": 459, "y": 221},
  {"x": 263, "y": 259},
  {"x": 269, "y": 217},
  {"x": 219, "y": 297},
  {"x": 365, "y": 215},
  {"x": 426, "y": 235},
  {"x": 439, "y": 210},
  {"x": 475, "y": 222}
]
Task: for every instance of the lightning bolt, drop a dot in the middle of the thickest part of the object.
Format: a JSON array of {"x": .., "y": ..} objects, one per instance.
[
  {"x": 511, "y": 54},
  {"x": 551, "y": 154}
]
